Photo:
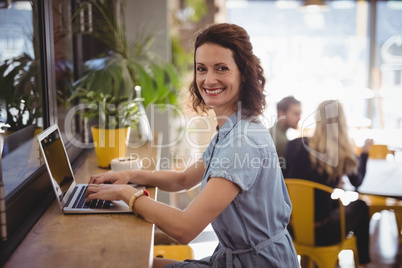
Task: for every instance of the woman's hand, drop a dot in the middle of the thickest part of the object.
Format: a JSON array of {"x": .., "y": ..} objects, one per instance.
[
  {"x": 109, "y": 192},
  {"x": 118, "y": 177}
]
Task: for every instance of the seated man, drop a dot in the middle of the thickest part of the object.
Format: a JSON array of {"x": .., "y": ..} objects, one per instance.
[{"x": 289, "y": 111}]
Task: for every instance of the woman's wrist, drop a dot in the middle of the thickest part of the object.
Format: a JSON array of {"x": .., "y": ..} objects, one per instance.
[
  {"x": 126, "y": 193},
  {"x": 132, "y": 176},
  {"x": 134, "y": 197}
]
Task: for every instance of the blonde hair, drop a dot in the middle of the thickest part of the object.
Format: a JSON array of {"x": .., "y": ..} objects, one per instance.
[{"x": 330, "y": 146}]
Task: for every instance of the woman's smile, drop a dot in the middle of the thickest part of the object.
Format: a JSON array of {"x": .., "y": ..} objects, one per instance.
[{"x": 213, "y": 91}]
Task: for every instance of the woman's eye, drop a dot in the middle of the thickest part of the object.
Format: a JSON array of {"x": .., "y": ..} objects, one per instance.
[
  {"x": 223, "y": 68},
  {"x": 200, "y": 69}
]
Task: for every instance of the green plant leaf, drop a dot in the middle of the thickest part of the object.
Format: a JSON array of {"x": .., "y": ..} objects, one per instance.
[{"x": 172, "y": 75}]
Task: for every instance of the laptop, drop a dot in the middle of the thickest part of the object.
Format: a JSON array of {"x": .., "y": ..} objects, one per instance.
[{"x": 69, "y": 194}]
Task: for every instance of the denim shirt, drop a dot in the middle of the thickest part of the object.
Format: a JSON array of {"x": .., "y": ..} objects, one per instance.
[{"x": 243, "y": 153}]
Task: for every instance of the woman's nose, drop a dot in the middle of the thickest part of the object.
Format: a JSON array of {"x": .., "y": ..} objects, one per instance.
[{"x": 210, "y": 78}]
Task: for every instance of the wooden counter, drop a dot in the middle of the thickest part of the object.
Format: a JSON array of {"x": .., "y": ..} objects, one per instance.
[{"x": 101, "y": 240}]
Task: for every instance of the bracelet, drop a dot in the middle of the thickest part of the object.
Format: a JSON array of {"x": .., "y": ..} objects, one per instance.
[{"x": 135, "y": 196}]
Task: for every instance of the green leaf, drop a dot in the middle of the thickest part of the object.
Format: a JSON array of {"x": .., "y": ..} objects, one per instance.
[{"x": 172, "y": 75}]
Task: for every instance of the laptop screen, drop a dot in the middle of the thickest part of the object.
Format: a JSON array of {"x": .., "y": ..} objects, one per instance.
[{"x": 58, "y": 164}]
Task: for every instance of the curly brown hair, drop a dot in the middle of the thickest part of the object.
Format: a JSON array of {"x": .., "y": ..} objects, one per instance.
[{"x": 235, "y": 38}]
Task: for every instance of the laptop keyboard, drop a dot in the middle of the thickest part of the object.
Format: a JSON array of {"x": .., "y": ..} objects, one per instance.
[{"x": 96, "y": 203}]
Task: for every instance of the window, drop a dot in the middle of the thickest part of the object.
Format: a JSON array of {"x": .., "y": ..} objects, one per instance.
[
  {"x": 387, "y": 74},
  {"x": 346, "y": 50},
  {"x": 36, "y": 72},
  {"x": 21, "y": 95}
]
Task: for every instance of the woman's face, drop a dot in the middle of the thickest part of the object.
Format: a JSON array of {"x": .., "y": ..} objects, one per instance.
[{"x": 218, "y": 78}]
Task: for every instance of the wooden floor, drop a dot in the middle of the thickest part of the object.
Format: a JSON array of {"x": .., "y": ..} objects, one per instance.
[{"x": 385, "y": 250}]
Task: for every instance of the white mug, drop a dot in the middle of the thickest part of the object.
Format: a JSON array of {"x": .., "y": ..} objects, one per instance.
[{"x": 126, "y": 163}]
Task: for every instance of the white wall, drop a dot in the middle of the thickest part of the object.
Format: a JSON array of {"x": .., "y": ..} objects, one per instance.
[{"x": 150, "y": 17}]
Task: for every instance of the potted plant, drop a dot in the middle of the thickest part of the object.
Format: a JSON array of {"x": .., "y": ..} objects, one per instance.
[
  {"x": 109, "y": 80},
  {"x": 114, "y": 116}
]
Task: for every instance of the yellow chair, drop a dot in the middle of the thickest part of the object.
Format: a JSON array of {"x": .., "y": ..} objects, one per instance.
[
  {"x": 174, "y": 252},
  {"x": 301, "y": 193},
  {"x": 378, "y": 151}
]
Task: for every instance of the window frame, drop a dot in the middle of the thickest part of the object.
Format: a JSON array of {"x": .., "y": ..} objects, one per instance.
[{"x": 26, "y": 204}]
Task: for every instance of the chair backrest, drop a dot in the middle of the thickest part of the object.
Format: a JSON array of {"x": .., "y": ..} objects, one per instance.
[
  {"x": 378, "y": 151},
  {"x": 302, "y": 196}
]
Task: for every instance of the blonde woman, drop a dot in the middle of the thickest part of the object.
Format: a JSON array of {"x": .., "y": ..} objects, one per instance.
[{"x": 325, "y": 158}]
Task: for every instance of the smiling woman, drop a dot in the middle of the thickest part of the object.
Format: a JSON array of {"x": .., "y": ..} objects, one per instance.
[{"x": 233, "y": 170}]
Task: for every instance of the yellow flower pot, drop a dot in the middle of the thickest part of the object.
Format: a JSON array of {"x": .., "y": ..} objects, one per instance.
[{"x": 109, "y": 144}]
